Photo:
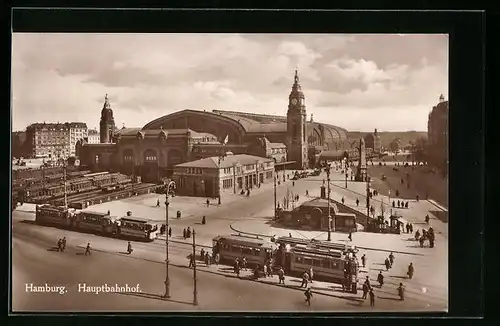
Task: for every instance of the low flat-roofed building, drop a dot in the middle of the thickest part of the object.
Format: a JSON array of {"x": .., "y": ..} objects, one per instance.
[{"x": 211, "y": 176}]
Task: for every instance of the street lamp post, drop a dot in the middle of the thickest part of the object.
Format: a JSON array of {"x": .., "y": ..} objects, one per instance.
[
  {"x": 167, "y": 204},
  {"x": 195, "y": 291}
]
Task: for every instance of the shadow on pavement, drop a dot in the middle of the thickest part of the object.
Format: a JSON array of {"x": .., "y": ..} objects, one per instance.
[
  {"x": 153, "y": 296},
  {"x": 388, "y": 298},
  {"x": 397, "y": 276},
  {"x": 28, "y": 222},
  {"x": 53, "y": 249}
]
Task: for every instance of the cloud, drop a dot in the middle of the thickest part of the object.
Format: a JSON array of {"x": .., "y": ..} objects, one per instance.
[{"x": 358, "y": 82}]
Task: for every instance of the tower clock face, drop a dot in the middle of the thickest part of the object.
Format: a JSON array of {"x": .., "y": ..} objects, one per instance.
[{"x": 294, "y": 101}]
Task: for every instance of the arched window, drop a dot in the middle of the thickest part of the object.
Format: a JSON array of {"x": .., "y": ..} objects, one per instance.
[
  {"x": 128, "y": 156},
  {"x": 150, "y": 156}
]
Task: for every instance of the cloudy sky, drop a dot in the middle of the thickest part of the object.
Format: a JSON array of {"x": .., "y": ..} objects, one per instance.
[{"x": 359, "y": 82}]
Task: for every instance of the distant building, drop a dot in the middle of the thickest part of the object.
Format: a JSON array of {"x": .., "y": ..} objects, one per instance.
[
  {"x": 107, "y": 126},
  {"x": 437, "y": 131},
  {"x": 372, "y": 141},
  {"x": 18, "y": 139},
  {"x": 54, "y": 140},
  {"x": 93, "y": 137},
  {"x": 211, "y": 176}
]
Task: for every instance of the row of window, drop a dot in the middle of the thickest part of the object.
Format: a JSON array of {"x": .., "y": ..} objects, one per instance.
[
  {"x": 194, "y": 171},
  {"x": 241, "y": 249},
  {"x": 319, "y": 262},
  {"x": 150, "y": 158},
  {"x": 227, "y": 183},
  {"x": 278, "y": 150}
]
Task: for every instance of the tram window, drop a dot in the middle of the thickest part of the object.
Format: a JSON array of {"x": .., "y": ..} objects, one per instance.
[
  {"x": 247, "y": 251},
  {"x": 334, "y": 265},
  {"x": 298, "y": 260},
  {"x": 317, "y": 262},
  {"x": 256, "y": 252},
  {"x": 307, "y": 261},
  {"x": 226, "y": 247},
  {"x": 325, "y": 263}
]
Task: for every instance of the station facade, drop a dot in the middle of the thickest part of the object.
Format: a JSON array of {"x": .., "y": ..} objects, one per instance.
[{"x": 153, "y": 150}]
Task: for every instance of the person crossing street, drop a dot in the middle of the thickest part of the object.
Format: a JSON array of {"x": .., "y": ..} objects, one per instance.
[
  {"x": 308, "y": 295},
  {"x": 87, "y": 250}
]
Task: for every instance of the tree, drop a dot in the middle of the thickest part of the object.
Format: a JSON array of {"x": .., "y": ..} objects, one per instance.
[
  {"x": 395, "y": 145},
  {"x": 419, "y": 149}
]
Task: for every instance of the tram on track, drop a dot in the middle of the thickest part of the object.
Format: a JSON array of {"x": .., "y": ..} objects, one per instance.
[
  {"x": 96, "y": 221},
  {"x": 136, "y": 228},
  {"x": 55, "y": 215},
  {"x": 256, "y": 250},
  {"x": 331, "y": 261}
]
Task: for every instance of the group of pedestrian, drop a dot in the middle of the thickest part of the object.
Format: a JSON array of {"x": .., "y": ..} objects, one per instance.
[
  {"x": 163, "y": 228},
  {"x": 400, "y": 204},
  {"x": 426, "y": 235},
  {"x": 239, "y": 264},
  {"x": 206, "y": 257},
  {"x": 409, "y": 228},
  {"x": 61, "y": 244},
  {"x": 389, "y": 261}
]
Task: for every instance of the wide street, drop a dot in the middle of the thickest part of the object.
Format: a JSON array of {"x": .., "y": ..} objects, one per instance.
[{"x": 33, "y": 262}]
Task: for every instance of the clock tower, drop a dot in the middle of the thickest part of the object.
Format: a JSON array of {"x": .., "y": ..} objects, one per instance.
[
  {"x": 296, "y": 126},
  {"x": 107, "y": 123}
]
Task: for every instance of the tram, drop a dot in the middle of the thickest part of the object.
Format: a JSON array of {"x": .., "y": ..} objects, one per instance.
[
  {"x": 136, "y": 228},
  {"x": 96, "y": 221},
  {"x": 256, "y": 250},
  {"x": 333, "y": 262},
  {"x": 55, "y": 215}
]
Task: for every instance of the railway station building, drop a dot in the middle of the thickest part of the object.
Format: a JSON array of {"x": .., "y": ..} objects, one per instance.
[{"x": 152, "y": 151}]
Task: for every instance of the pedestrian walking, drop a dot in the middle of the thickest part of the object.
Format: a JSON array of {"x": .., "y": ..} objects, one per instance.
[
  {"x": 401, "y": 292},
  {"x": 417, "y": 235},
  {"x": 184, "y": 234},
  {"x": 207, "y": 259},
  {"x": 380, "y": 278},
  {"x": 406, "y": 204},
  {"x": 393, "y": 203},
  {"x": 308, "y": 294},
  {"x": 63, "y": 242},
  {"x": 202, "y": 254},
  {"x": 343, "y": 200},
  {"x": 391, "y": 259},
  {"x": 307, "y": 193},
  {"x": 387, "y": 264},
  {"x": 372, "y": 298},
  {"x": 208, "y": 202},
  {"x": 244, "y": 263},
  {"x": 188, "y": 232},
  {"x": 265, "y": 270},
  {"x": 203, "y": 220},
  {"x": 311, "y": 274},
  {"x": 363, "y": 260},
  {"x": 289, "y": 234},
  {"x": 410, "y": 271},
  {"x": 87, "y": 250},
  {"x": 157, "y": 203},
  {"x": 421, "y": 240},
  {"x": 411, "y": 228},
  {"x": 59, "y": 245},
  {"x": 217, "y": 258},
  {"x": 305, "y": 279},
  {"x": 281, "y": 276},
  {"x": 293, "y": 183},
  {"x": 169, "y": 232},
  {"x": 357, "y": 201},
  {"x": 191, "y": 260},
  {"x": 350, "y": 236},
  {"x": 399, "y": 203},
  {"x": 365, "y": 290},
  {"x": 367, "y": 282}
]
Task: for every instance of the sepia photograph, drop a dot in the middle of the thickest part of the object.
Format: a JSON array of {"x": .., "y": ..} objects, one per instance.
[{"x": 221, "y": 172}]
